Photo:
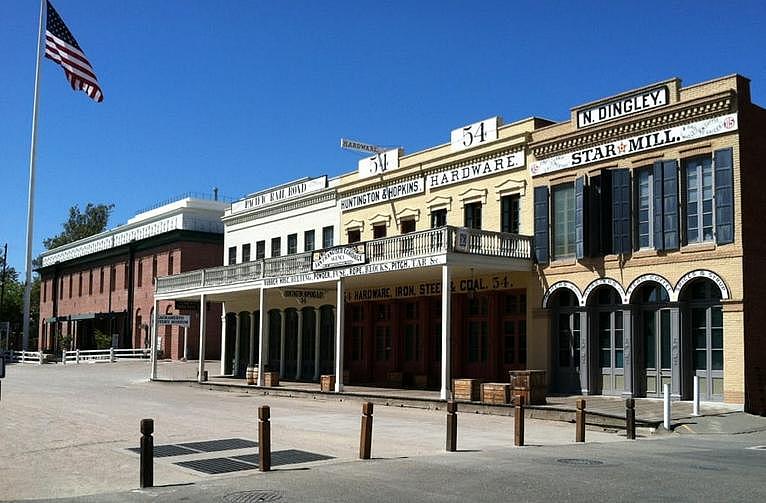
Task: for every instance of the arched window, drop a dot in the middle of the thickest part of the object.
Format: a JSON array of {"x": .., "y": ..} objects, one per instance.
[{"x": 703, "y": 334}]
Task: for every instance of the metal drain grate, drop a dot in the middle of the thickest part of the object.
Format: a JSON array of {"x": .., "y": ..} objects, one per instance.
[
  {"x": 164, "y": 451},
  {"x": 223, "y": 444},
  {"x": 286, "y": 457},
  {"x": 252, "y": 497},
  {"x": 215, "y": 466},
  {"x": 580, "y": 461}
]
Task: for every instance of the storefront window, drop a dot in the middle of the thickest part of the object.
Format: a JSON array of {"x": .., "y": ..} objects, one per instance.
[
  {"x": 699, "y": 199},
  {"x": 563, "y": 221},
  {"x": 644, "y": 213}
]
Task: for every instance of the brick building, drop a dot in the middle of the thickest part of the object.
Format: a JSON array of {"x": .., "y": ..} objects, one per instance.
[{"x": 103, "y": 286}]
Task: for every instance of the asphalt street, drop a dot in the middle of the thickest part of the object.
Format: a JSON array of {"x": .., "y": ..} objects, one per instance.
[{"x": 66, "y": 433}]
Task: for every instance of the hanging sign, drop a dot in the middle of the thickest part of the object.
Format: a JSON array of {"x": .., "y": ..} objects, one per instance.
[
  {"x": 476, "y": 169},
  {"x": 338, "y": 256},
  {"x": 302, "y": 295},
  {"x": 622, "y": 107},
  {"x": 383, "y": 194},
  {"x": 187, "y": 305},
  {"x": 174, "y": 319},
  {"x": 474, "y": 134},
  {"x": 627, "y": 146},
  {"x": 380, "y": 163},
  {"x": 462, "y": 237}
]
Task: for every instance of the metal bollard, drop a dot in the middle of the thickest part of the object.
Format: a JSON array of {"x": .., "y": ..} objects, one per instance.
[
  {"x": 40, "y": 358},
  {"x": 365, "y": 440},
  {"x": 518, "y": 420},
  {"x": 111, "y": 355},
  {"x": 77, "y": 356},
  {"x": 451, "y": 426},
  {"x": 264, "y": 438},
  {"x": 63, "y": 357},
  {"x": 630, "y": 419},
  {"x": 580, "y": 421},
  {"x": 696, "y": 397},
  {"x": 147, "y": 453},
  {"x": 666, "y": 406}
]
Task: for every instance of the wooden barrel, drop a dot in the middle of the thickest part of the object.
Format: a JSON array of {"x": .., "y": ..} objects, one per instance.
[{"x": 249, "y": 375}]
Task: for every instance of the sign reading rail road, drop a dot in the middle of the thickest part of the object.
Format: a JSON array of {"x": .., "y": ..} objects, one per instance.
[{"x": 174, "y": 319}]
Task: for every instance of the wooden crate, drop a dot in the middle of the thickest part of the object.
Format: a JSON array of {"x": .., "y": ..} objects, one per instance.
[
  {"x": 466, "y": 389},
  {"x": 327, "y": 383},
  {"x": 271, "y": 379},
  {"x": 496, "y": 393},
  {"x": 530, "y": 385}
]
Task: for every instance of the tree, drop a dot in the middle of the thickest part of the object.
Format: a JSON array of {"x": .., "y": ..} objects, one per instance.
[{"x": 81, "y": 225}]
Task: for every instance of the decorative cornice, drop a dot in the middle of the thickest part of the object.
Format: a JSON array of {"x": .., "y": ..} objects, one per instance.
[
  {"x": 713, "y": 105},
  {"x": 319, "y": 198}
]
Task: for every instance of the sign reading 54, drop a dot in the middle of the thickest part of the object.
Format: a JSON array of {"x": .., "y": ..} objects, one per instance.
[{"x": 474, "y": 134}]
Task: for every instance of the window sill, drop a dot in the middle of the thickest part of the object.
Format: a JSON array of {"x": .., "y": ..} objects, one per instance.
[
  {"x": 646, "y": 252},
  {"x": 698, "y": 247},
  {"x": 563, "y": 262}
]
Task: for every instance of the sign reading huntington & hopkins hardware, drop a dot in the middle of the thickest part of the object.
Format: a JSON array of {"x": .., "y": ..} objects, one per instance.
[
  {"x": 383, "y": 194},
  {"x": 621, "y": 107},
  {"x": 475, "y": 169},
  {"x": 627, "y": 146},
  {"x": 338, "y": 256}
]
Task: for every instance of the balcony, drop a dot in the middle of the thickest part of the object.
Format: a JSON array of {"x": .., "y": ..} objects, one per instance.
[{"x": 425, "y": 243}]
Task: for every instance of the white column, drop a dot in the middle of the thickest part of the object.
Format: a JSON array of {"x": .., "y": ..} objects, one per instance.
[
  {"x": 251, "y": 357},
  {"x": 317, "y": 328},
  {"x": 202, "y": 333},
  {"x": 154, "y": 339},
  {"x": 223, "y": 340},
  {"x": 263, "y": 328},
  {"x": 186, "y": 342},
  {"x": 283, "y": 321},
  {"x": 446, "y": 332},
  {"x": 235, "y": 369},
  {"x": 300, "y": 344},
  {"x": 339, "y": 305}
]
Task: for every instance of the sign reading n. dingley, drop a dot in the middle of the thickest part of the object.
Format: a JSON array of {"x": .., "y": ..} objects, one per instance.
[
  {"x": 476, "y": 169},
  {"x": 621, "y": 107},
  {"x": 282, "y": 193},
  {"x": 627, "y": 146},
  {"x": 339, "y": 256},
  {"x": 383, "y": 194}
]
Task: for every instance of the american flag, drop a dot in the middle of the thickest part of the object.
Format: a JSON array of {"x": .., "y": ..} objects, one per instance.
[{"x": 61, "y": 47}]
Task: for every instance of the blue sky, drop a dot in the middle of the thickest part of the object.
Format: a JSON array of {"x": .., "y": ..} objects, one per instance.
[{"x": 245, "y": 94}]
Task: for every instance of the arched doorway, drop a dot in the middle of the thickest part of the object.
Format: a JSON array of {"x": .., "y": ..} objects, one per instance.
[
  {"x": 275, "y": 340},
  {"x": 703, "y": 336},
  {"x": 656, "y": 328},
  {"x": 308, "y": 343},
  {"x": 291, "y": 344},
  {"x": 327, "y": 340},
  {"x": 607, "y": 339},
  {"x": 567, "y": 326}
]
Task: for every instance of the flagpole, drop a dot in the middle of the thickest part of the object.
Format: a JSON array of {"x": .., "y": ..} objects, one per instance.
[{"x": 31, "y": 201}]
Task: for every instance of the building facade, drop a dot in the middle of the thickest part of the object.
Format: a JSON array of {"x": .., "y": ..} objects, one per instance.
[
  {"x": 102, "y": 287},
  {"x": 616, "y": 250}
]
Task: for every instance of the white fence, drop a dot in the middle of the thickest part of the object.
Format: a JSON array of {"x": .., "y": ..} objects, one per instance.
[
  {"x": 104, "y": 355},
  {"x": 23, "y": 356}
]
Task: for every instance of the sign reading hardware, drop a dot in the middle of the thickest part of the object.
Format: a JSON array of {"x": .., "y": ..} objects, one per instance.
[
  {"x": 620, "y": 148},
  {"x": 474, "y": 134},
  {"x": 615, "y": 109},
  {"x": 383, "y": 194},
  {"x": 380, "y": 163},
  {"x": 475, "y": 170},
  {"x": 279, "y": 194},
  {"x": 426, "y": 288},
  {"x": 174, "y": 319},
  {"x": 339, "y": 256},
  {"x": 303, "y": 295},
  {"x": 359, "y": 146}
]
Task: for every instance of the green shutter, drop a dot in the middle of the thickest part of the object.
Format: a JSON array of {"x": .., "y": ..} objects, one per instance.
[
  {"x": 621, "y": 205},
  {"x": 670, "y": 206},
  {"x": 657, "y": 214},
  {"x": 580, "y": 218},
  {"x": 541, "y": 225}
]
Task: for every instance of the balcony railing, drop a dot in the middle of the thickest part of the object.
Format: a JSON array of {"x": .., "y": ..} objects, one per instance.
[{"x": 416, "y": 244}]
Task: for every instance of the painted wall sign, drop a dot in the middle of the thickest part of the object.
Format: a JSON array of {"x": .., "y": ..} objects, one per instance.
[
  {"x": 557, "y": 286},
  {"x": 280, "y": 194},
  {"x": 477, "y": 169},
  {"x": 474, "y": 134},
  {"x": 429, "y": 288},
  {"x": 338, "y": 256},
  {"x": 622, "y": 107},
  {"x": 174, "y": 319},
  {"x": 380, "y": 163},
  {"x": 627, "y": 146},
  {"x": 383, "y": 194},
  {"x": 702, "y": 273},
  {"x": 303, "y": 295}
]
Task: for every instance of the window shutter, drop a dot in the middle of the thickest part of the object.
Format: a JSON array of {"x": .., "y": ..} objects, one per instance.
[
  {"x": 670, "y": 206},
  {"x": 659, "y": 235},
  {"x": 724, "y": 196},
  {"x": 621, "y": 235},
  {"x": 580, "y": 218},
  {"x": 594, "y": 192},
  {"x": 541, "y": 225}
]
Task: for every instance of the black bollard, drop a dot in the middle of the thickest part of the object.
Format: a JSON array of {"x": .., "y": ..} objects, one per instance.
[
  {"x": 630, "y": 419},
  {"x": 264, "y": 438},
  {"x": 365, "y": 440},
  {"x": 580, "y": 421},
  {"x": 518, "y": 420},
  {"x": 451, "y": 426},
  {"x": 147, "y": 453}
]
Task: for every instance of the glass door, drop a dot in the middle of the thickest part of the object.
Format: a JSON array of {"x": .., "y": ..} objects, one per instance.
[
  {"x": 567, "y": 352},
  {"x": 610, "y": 352},
  {"x": 655, "y": 328},
  {"x": 707, "y": 342}
]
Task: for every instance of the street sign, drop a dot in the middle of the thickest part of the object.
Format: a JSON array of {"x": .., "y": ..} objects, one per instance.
[{"x": 174, "y": 319}]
